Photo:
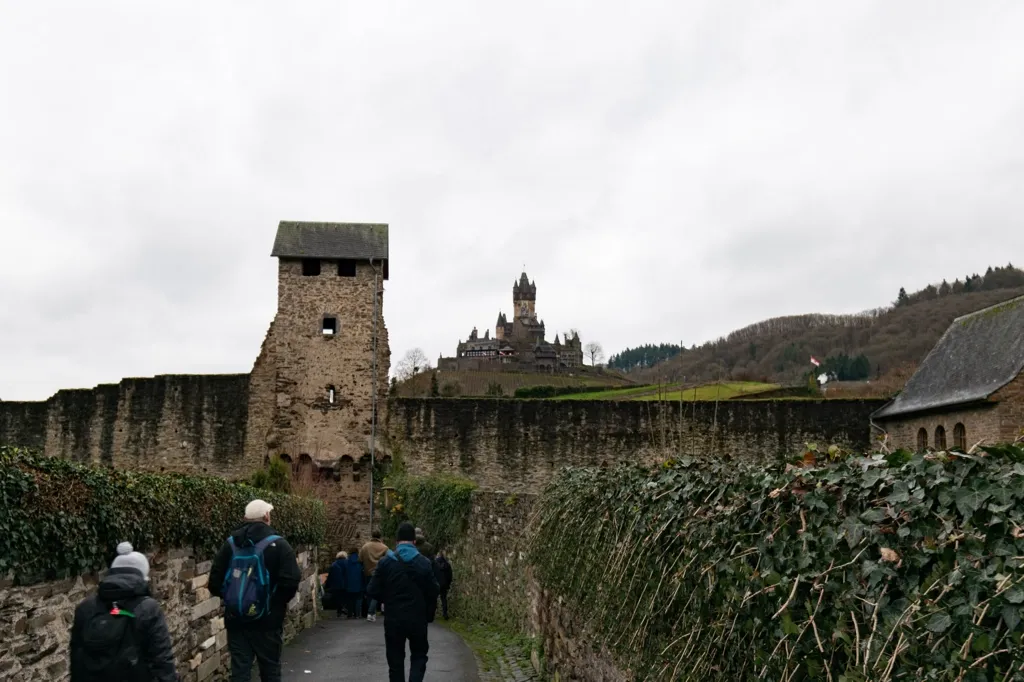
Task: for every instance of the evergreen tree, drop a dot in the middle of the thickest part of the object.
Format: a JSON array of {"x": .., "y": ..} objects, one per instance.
[
  {"x": 435, "y": 391},
  {"x": 902, "y": 298}
]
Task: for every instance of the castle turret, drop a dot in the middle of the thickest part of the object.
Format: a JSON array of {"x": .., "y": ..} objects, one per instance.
[{"x": 524, "y": 298}]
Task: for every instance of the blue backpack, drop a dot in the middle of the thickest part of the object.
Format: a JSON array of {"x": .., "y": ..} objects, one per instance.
[{"x": 247, "y": 590}]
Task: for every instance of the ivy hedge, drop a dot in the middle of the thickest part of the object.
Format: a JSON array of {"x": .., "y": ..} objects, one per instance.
[
  {"x": 59, "y": 518},
  {"x": 884, "y": 567}
]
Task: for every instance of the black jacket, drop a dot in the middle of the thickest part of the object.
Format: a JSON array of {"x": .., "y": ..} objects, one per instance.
[
  {"x": 279, "y": 559},
  {"x": 443, "y": 571},
  {"x": 129, "y": 589},
  {"x": 404, "y": 582}
]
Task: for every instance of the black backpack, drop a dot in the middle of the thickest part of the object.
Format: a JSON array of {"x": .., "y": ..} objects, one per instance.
[{"x": 110, "y": 643}]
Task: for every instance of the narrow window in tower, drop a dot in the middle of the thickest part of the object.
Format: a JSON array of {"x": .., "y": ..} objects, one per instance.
[
  {"x": 385, "y": 269},
  {"x": 346, "y": 268},
  {"x": 330, "y": 394},
  {"x": 330, "y": 326},
  {"x": 310, "y": 267}
]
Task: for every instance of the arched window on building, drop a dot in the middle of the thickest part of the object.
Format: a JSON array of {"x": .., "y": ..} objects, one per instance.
[
  {"x": 940, "y": 438},
  {"x": 922, "y": 439},
  {"x": 960, "y": 438}
]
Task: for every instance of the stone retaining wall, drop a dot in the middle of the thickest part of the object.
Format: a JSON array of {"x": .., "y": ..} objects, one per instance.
[
  {"x": 35, "y": 620},
  {"x": 567, "y": 649}
]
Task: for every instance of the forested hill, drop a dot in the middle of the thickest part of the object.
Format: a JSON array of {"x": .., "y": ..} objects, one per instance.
[{"x": 866, "y": 345}]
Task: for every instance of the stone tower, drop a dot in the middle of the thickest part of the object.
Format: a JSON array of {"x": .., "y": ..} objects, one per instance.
[
  {"x": 524, "y": 298},
  {"x": 311, "y": 390}
]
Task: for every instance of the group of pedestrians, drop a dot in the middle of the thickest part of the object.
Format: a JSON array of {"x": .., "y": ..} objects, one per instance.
[
  {"x": 120, "y": 632},
  {"x": 349, "y": 577}
]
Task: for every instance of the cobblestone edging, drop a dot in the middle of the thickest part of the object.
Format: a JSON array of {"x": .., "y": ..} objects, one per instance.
[{"x": 511, "y": 667}]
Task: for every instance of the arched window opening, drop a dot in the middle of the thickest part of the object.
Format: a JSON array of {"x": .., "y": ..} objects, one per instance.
[
  {"x": 940, "y": 438},
  {"x": 922, "y": 439},
  {"x": 345, "y": 468},
  {"x": 306, "y": 468},
  {"x": 960, "y": 438}
]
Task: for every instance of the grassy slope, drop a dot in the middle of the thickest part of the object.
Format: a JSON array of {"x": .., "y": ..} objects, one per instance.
[{"x": 723, "y": 391}]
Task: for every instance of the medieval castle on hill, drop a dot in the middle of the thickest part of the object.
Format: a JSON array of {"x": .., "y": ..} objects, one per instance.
[{"x": 518, "y": 345}]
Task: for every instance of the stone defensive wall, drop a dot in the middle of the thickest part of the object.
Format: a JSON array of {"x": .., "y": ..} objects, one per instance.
[
  {"x": 517, "y": 445},
  {"x": 186, "y": 423}
]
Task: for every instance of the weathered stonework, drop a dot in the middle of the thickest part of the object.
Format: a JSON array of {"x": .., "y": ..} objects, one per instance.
[
  {"x": 185, "y": 423},
  {"x": 35, "y": 621},
  {"x": 290, "y": 409},
  {"x": 999, "y": 420},
  {"x": 490, "y": 562},
  {"x": 518, "y": 445},
  {"x": 567, "y": 647}
]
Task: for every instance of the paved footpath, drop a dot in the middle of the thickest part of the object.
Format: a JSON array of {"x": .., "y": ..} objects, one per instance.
[{"x": 341, "y": 650}]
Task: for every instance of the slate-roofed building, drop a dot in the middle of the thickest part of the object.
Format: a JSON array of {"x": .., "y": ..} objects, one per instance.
[
  {"x": 519, "y": 343},
  {"x": 969, "y": 388}
]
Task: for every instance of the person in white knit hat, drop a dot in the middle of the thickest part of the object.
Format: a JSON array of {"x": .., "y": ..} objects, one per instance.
[{"x": 120, "y": 632}]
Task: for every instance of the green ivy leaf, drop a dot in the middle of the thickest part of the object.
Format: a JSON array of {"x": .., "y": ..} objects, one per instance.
[
  {"x": 1014, "y": 595},
  {"x": 1011, "y": 616},
  {"x": 939, "y": 622},
  {"x": 969, "y": 501}
]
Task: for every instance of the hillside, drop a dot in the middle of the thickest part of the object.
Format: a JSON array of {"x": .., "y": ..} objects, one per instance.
[{"x": 779, "y": 350}]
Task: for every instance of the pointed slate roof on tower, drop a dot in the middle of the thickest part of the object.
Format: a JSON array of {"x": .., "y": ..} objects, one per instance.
[
  {"x": 979, "y": 354},
  {"x": 356, "y": 241}
]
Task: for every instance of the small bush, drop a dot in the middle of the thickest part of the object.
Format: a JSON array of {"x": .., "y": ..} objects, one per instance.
[{"x": 60, "y": 519}]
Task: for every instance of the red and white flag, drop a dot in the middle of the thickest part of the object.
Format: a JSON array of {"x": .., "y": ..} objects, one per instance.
[{"x": 815, "y": 362}]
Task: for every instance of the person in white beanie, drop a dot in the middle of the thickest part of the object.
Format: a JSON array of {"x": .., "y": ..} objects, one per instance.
[
  {"x": 120, "y": 632},
  {"x": 255, "y": 609}
]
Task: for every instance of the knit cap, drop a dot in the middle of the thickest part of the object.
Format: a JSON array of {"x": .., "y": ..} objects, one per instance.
[{"x": 127, "y": 557}]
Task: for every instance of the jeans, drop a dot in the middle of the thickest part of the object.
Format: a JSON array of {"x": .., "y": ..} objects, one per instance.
[
  {"x": 395, "y": 636},
  {"x": 246, "y": 644}
]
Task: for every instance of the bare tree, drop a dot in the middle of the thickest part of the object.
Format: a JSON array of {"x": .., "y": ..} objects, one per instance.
[
  {"x": 594, "y": 352},
  {"x": 414, "y": 362}
]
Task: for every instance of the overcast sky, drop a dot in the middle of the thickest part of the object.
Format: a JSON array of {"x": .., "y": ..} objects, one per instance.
[{"x": 665, "y": 171}]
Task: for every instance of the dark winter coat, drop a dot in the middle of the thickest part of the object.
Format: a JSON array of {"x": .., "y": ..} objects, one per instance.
[
  {"x": 337, "y": 577},
  {"x": 129, "y": 589},
  {"x": 354, "y": 574},
  {"x": 443, "y": 571},
  {"x": 279, "y": 560},
  {"x": 404, "y": 582}
]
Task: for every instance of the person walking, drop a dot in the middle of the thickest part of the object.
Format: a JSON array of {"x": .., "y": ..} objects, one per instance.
[
  {"x": 370, "y": 555},
  {"x": 425, "y": 548},
  {"x": 354, "y": 584},
  {"x": 120, "y": 632},
  {"x": 254, "y": 609},
  {"x": 404, "y": 581},
  {"x": 443, "y": 572},
  {"x": 335, "y": 586}
]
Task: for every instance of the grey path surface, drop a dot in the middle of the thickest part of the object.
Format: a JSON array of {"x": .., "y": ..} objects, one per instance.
[{"x": 340, "y": 650}]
